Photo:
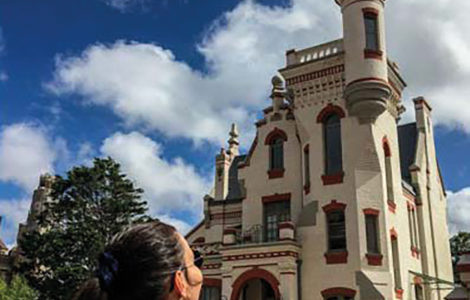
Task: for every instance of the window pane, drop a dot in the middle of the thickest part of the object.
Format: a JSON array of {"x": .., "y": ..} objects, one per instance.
[
  {"x": 372, "y": 234},
  {"x": 333, "y": 151},
  {"x": 371, "y": 32},
  {"x": 336, "y": 231},
  {"x": 277, "y": 155},
  {"x": 274, "y": 213}
]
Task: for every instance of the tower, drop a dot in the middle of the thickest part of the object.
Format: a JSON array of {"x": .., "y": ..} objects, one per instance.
[{"x": 367, "y": 89}]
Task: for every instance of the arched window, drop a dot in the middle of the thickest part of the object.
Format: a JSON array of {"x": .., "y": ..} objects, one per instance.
[
  {"x": 276, "y": 149},
  {"x": 336, "y": 233},
  {"x": 388, "y": 174},
  {"x": 333, "y": 148},
  {"x": 275, "y": 142}
]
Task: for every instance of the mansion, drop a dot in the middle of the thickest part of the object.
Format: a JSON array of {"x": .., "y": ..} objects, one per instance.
[{"x": 334, "y": 200}]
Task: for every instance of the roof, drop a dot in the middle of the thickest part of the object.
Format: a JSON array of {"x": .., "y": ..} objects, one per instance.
[
  {"x": 234, "y": 190},
  {"x": 407, "y": 141}
]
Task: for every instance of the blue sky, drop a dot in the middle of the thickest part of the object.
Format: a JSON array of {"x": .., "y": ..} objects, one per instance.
[{"x": 156, "y": 85}]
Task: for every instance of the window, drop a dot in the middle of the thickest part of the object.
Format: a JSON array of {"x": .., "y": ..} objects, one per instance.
[
  {"x": 372, "y": 33},
  {"x": 372, "y": 234},
  {"x": 336, "y": 231},
  {"x": 388, "y": 174},
  {"x": 396, "y": 263},
  {"x": 275, "y": 213},
  {"x": 307, "y": 168},
  {"x": 277, "y": 154},
  {"x": 333, "y": 150},
  {"x": 419, "y": 292},
  {"x": 415, "y": 228},
  {"x": 210, "y": 293}
]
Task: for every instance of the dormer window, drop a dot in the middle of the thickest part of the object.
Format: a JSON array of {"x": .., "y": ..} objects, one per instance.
[{"x": 275, "y": 142}]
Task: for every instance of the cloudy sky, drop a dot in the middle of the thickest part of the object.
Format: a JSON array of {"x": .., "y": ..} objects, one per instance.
[{"x": 156, "y": 83}]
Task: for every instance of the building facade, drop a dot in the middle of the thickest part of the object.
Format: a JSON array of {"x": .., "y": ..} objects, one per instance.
[{"x": 334, "y": 199}]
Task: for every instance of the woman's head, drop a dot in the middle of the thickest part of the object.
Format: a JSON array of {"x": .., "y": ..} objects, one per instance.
[{"x": 150, "y": 261}]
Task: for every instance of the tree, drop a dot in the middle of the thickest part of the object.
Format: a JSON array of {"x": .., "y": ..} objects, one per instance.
[
  {"x": 458, "y": 244},
  {"x": 17, "y": 290},
  {"x": 90, "y": 205}
]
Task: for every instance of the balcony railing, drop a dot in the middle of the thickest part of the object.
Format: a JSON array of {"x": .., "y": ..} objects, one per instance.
[
  {"x": 256, "y": 234},
  {"x": 315, "y": 53}
]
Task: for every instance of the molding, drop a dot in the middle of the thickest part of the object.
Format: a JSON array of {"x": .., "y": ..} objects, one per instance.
[
  {"x": 328, "y": 111},
  {"x": 371, "y": 211},
  {"x": 334, "y": 206},
  {"x": 333, "y": 179},
  {"x": 463, "y": 268},
  {"x": 287, "y": 224},
  {"x": 339, "y": 257},
  {"x": 260, "y": 255},
  {"x": 276, "y": 132},
  {"x": 368, "y": 79},
  {"x": 252, "y": 274},
  {"x": 276, "y": 198},
  {"x": 374, "y": 259},
  {"x": 420, "y": 101},
  {"x": 338, "y": 291},
  {"x": 374, "y": 54},
  {"x": 370, "y": 11},
  {"x": 315, "y": 75},
  {"x": 275, "y": 173}
]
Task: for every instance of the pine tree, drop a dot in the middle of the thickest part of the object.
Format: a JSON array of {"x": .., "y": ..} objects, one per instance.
[
  {"x": 89, "y": 206},
  {"x": 17, "y": 290}
]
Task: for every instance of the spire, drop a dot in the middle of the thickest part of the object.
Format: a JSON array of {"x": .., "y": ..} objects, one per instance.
[{"x": 233, "y": 140}]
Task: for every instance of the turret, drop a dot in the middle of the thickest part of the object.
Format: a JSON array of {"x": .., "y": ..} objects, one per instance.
[{"x": 367, "y": 89}]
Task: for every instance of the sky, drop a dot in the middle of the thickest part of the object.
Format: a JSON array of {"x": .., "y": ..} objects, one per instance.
[{"x": 156, "y": 84}]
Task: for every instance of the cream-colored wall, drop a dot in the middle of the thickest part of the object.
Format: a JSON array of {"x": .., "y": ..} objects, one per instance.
[{"x": 256, "y": 178}]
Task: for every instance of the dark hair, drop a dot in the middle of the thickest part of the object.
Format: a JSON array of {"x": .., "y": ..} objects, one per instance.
[{"x": 137, "y": 264}]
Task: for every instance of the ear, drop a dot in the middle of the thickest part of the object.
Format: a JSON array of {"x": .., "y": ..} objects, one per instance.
[{"x": 180, "y": 284}]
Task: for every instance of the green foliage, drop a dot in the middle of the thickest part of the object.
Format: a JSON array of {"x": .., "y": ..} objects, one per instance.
[
  {"x": 17, "y": 290},
  {"x": 90, "y": 206},
  {"x": 459, "y": 243}
]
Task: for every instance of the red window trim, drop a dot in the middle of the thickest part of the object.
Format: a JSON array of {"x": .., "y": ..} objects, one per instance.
[
  {"x": 338, "y": 291},
  {"x": 276, "y": 198},
  {"x": 334, "y": 206},
  {"x": 374, "y": 54},
  {"x": 386, "y": 147},
  {"x": 336, "y": 257},
  {"x": 374, "y": 259},
  {"x": 393, "y": 233},
  {"x": 392, "y": 206},
  {"x": 371, "y": 211},
  {"x": 333, "y": 179},
  {"x": 329, "y": 110},
  {"x": 370, "y": 11},
  {"x": 276, "y": 132},
  {"x": 275, "y": 173}
]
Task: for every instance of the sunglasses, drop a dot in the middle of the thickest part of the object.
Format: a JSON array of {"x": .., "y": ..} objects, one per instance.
[{"x": 198, "y": 262}]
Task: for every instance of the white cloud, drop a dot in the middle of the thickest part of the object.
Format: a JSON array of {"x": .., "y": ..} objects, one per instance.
[
  {"x": 124, "y": 5},
  {"x": 25, "y": 153},
  {"x": 146, "y": 84},
  {"x": 182, "y": 226},
  {"x": 168, "y": 185},
  {"x": 3, "y": 76},
  {"x": 458, "y": 209},
  {"x": 14, "y": 211}
]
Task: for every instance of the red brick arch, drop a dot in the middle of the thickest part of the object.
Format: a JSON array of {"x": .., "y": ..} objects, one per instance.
[
  {"x": 255, "y": 274},
  {"x": 275, "y": 134},
  {"x": 329, "y": 110}
]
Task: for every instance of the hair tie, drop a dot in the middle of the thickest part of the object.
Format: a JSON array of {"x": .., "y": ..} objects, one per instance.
[{"x": 108, "y": 267}]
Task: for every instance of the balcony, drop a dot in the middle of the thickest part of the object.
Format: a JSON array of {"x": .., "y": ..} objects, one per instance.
[{"x": 257, "y": 234}]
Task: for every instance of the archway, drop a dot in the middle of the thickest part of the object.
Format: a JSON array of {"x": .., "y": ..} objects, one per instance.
[{"x": 256, "y": 284}]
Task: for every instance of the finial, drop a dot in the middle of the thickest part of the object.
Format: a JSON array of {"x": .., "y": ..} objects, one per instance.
[
  {"x": 233, "y": 140},
  {"x": 277, "y": 82}
]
